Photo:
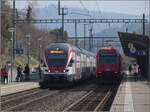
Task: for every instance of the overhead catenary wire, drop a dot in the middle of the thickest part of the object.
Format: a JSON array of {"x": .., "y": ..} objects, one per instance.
[
  {"x": 85, "y": 8},
  {"x": 99, "y": 11},
  {"x": 91, "y": 25},
  {"x": 79, "y": 14},
  {"x": 86, "y": 11}
]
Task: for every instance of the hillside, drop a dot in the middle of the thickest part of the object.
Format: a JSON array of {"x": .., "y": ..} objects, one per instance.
[
  {"x": 132, "y": 28},
  {"x": 21, "y": 40}
]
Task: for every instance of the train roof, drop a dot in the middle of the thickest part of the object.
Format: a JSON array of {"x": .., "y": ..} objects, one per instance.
[
  {"x": 60, "y": 44},
  {"x": 74, "y": 48},
  {"x": 109, "y": 49}
]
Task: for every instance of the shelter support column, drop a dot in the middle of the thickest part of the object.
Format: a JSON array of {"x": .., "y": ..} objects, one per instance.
[{"x": 149, "y": 59}]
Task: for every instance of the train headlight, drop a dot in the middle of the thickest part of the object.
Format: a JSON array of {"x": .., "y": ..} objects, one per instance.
[
  {"x": 116, "y": 72},
  {"x": 49, "y": 71}
]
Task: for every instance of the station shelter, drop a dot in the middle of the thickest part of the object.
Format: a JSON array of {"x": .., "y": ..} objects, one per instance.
[{"x": 137, "y": 46}]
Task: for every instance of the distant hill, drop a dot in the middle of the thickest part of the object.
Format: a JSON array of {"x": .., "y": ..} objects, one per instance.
[
  {"x": 98, "y": 29},
  {"x": 132, "y": 28}
]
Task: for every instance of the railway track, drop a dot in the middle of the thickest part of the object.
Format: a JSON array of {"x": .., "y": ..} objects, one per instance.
[
  {"x": 26, "y": 97},
  {"x": 19, "y": 94},
  {"x": 20, "y": 101},
  {"x": 81, "y": 98},
  {"x": 94, "y": 100}
]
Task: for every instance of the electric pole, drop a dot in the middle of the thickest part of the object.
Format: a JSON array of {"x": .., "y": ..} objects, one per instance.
[
  {"x": 62, "y": 24},
  {"x": 62, "y": 14},
  {"x": 90, "y": 39},
  {"x": 14, "y": 27},
  {"x": 143, "y": 24},
  {"x": 84, "y": 34},
  {"x": 28, "y": 51},
  {"x": 62, "y": 29},
  {"x": 76, "y": 41},
  {"x": 59, "y": 7}
]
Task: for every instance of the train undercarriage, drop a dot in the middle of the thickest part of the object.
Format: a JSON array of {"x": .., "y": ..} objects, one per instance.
[{"x": 109, "y": 77}]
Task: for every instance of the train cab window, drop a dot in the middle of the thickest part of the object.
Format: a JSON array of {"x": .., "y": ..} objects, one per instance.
[
  {"x": 71, "y": 62},
  {"x": 108, "y": 58}
]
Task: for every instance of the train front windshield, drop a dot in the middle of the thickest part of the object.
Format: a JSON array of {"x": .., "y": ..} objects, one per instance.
[
  {"x": 107, "y": 58},
  {"x": 57, "y": 58}
]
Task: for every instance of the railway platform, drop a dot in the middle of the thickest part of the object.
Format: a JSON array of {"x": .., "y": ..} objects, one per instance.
[
  {"x": 132, "y": 96},
  {"x": 14, "y": 87}
]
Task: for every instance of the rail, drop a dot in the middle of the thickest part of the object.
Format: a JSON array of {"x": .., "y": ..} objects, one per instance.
[{"x": 92, "y": 101}]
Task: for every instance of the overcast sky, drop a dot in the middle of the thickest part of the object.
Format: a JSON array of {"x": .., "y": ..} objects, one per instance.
[{"x": 136, "y": 7}]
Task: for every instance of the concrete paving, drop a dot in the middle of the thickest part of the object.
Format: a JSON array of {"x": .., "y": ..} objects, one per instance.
[
  {"x": 17, "y": 87},
  {"x": 14, "y": 87},
  {"x": 132, "y": 96}
]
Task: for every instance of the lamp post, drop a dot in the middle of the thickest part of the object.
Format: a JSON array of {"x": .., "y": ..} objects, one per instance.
[
  {"x": 28, "y": 51},
  {"x": 11, "y": 30}
]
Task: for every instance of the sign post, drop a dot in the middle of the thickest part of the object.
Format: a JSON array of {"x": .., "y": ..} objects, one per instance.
[
  {"x": 9, "y": 65},
  {"x": 11, "y": 30}
]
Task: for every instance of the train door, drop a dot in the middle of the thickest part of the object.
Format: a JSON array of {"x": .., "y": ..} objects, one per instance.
[
  {"x": 84, "y": 62},
  {"x": 82, "y": 57},
  {"x": 93, "y": 66},
  {"x": 79, "y": 68},
  {"x": 88, "y": 64},
  {"x": 72, "y": 65}
]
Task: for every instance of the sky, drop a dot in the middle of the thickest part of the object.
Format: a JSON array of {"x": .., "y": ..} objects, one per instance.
[{"x": 133, "y": 7}]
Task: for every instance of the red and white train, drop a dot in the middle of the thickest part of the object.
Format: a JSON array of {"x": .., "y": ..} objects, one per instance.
[
  {"x": 67, "y": 63},
  {"x": 108, "y": 63}
]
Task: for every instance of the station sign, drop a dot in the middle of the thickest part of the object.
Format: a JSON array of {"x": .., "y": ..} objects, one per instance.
[
  {"x": 133, "y": 51},
  {"x": 18, "y": 51},
  {"x": 11, "y": 29},
  {"x": 134, "y": 45},
  {"x": 9, "y": 64}
]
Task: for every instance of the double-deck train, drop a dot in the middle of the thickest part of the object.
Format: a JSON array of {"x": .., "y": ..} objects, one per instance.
[
  {"x": 67, "y": 63},
  {"x": 108, "y": 64}
]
